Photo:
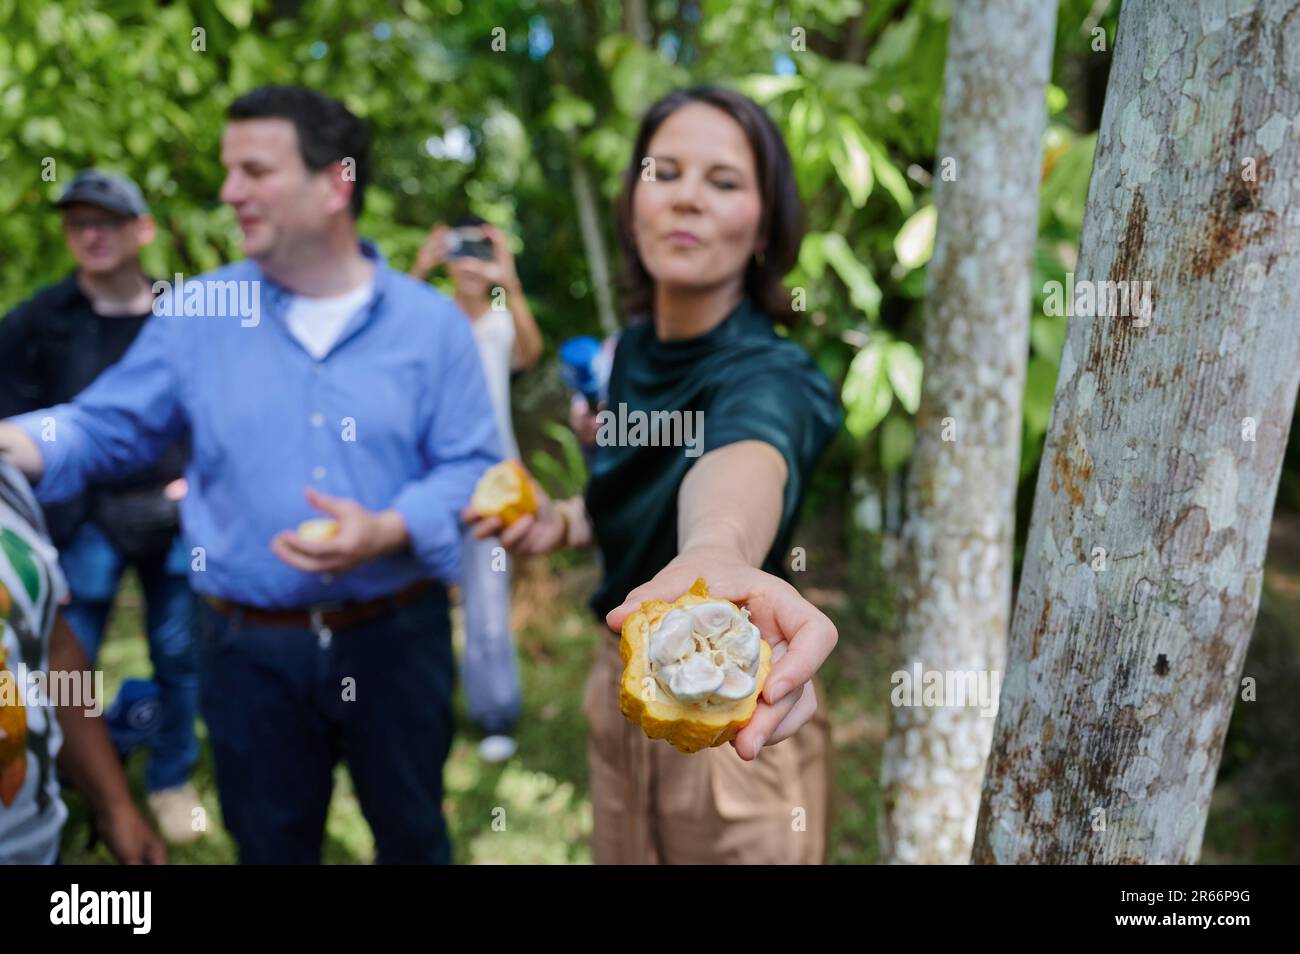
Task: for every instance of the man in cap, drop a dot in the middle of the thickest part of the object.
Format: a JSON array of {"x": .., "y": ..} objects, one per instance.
[
  {"x": 314, "y": 380},
  {"x": 52, "y": 346}
]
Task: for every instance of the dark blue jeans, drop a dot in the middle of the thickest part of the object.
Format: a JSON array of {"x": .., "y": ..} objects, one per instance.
[
  {"x": 94, "y": 570},
  {"x": 282, "y": 706}
]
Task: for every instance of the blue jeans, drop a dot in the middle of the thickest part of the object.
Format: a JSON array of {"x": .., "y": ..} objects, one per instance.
[
  {"x": 283, "y": 705},
  {"x": 491, "y": 670},
  {"x": 94, "y": 570}
]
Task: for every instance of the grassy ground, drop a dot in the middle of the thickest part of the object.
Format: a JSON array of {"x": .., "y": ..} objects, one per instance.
[{"x": 536, "y": 809}]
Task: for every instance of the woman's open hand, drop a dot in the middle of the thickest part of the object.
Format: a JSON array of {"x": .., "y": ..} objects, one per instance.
[{"x": 801, "y": 635}]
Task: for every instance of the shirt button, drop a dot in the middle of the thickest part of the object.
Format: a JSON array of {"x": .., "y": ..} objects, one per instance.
[
  {"x": 318, "y": 420},
  {"x": 318, "y": 473}
]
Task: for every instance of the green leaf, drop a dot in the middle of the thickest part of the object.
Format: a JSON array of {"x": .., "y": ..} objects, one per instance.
[
  {"x": 896, "y": 440},
  {"x": 852, "y": 161},
  {"x": 575, "y": 463},
  {"x": 903, "y": 365},
  {"x": 914, "y": 243},
  {"x": 42, "y": 131},
  {"x": 139, "y": 141},
  {"x": 549, "y": 473},
  {"x": 238, "y": 12},
  {"x": 611, "y": 47},
  {"x": 763, "y": 87},
  {"x": 895, "y": 42},
  {"x": 913, "y": 284},
  {"x": 25, "y": 57},
  {"x": 637, "y": 77},
  {"x": 889, "y": 177},
  {"x": 812, "y": 255},
  {"x": 797, "y": 126},
  {"x": 608, "y": 148},
  {"x": 1047, "y": 337},
  {"x": 863, "y": 290},
  {"x": 568, "y": 113},
  {"x": 866, "y": 392},
  {"x": 1040, "y": 390},
  {"x": 1065, "y": 190},
  {"x": 1057, "y": 99}
]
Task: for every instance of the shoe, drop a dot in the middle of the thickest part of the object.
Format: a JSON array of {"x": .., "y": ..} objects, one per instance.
[
  {"x": 497, "y": 748},
  {"x": 174, "y": 810}
]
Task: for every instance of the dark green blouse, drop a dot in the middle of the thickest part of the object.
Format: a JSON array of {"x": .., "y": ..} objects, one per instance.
[{"x": 749, "y": 384}]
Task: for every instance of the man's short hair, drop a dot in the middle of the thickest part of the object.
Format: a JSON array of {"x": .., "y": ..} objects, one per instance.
[{"x": 328, "y": 131}]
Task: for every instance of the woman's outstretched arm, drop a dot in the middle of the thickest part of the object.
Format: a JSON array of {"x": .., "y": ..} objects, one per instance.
[{"x": 729, "y": 510}]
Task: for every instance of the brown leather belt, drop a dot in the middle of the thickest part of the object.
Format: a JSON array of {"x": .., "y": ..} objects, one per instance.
[{"x": 332, "y": 617}]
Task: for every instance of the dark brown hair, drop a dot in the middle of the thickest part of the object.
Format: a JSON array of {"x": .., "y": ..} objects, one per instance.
[
  {"x": 781, "y": 227},
  {"x": 327, "y": 130}
]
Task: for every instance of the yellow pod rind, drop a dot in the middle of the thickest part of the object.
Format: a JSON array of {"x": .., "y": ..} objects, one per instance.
[
  {"x": 518, "y": 499},
  {"x": 687, "y": 728},
  {"x": 318, "y": 529}
]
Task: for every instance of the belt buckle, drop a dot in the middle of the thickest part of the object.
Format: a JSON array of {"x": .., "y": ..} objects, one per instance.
[{"x": 316, "y": 619}]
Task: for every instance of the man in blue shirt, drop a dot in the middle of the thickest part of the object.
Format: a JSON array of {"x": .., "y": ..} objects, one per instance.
[{"x": 315, "y": 381}]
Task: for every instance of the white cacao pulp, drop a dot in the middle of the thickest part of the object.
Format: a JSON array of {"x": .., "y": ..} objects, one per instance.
[{"x": 706, "y": 654}]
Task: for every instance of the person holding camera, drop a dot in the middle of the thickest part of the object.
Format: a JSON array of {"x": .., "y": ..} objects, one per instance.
[
  {"x": 51, "y": 347},
  {"x": 488, "y": 291}
]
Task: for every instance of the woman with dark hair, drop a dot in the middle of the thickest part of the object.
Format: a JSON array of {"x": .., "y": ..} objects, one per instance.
[{"x": 710, "y": 221}]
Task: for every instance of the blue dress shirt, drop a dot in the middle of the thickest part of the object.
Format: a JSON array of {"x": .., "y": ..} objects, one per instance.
[{"x": 396, "y": 414}]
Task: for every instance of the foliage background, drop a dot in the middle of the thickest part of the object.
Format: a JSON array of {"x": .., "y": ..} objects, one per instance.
[{"x": 494, "y": 107}]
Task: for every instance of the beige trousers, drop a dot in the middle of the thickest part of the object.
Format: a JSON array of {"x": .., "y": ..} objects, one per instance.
[{"x": 654, "y": 805}]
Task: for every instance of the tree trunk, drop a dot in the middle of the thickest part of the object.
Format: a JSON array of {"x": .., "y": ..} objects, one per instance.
[
  {"x": 1151, "y": 515},
  {"x": 636, "y": 22},
  {"x": 584, "y": 193},
  {"x": 956, "y": 581}
]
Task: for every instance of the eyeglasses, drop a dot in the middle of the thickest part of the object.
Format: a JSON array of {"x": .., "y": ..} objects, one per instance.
[{"x": 77, "y": 226}]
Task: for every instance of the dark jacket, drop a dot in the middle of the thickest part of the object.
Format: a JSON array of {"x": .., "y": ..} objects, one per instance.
[{"x": 51, "y": 347}]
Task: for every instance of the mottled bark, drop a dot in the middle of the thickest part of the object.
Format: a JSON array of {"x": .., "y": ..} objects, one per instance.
[
  {"x": 1164, "y": 450},
  {"x": 956, "y": 579}
]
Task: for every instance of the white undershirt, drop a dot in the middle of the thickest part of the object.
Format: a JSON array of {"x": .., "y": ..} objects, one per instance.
[{"x": 318, "y": 322}]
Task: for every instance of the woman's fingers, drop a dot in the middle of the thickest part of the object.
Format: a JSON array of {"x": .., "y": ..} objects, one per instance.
[
  {"x": 773, "y": 724},
  {"x": 669, "y": 584},
  {"x": 762, "y": 727},
  {"x": 803, "y": 711},
  {"x": 811, "y": 636}
]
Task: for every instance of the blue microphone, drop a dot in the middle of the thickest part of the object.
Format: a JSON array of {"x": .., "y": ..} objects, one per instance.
[{"x": 580, "y": 367}]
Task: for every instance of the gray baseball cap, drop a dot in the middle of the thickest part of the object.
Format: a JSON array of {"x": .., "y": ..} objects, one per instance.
[{"x": 112, "y": 192}]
